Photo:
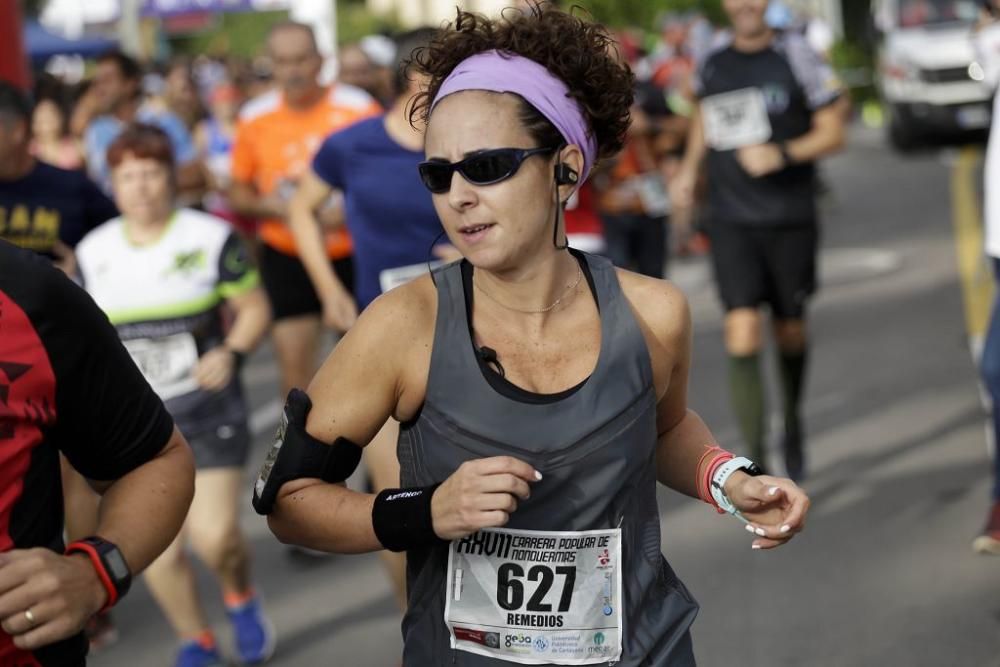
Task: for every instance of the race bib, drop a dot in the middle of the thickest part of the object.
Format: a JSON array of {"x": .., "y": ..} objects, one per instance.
[
  {"x": 652, "y": 195},
  {"x": 736, "y": 119},
  {"x": 167, "y": 363},
  {"x": 392, "y": 278},
  {"x": 536, "y": 597}
]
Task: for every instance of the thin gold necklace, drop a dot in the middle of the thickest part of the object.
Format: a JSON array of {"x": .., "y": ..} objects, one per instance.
[{"x": 569, "y": 290}]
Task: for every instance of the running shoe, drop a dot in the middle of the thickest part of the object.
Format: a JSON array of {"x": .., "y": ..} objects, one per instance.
[
  {"x": 253, "y": 633},
  {"x": 989, "y": 541},
  {"x": 193, "y": 654}
]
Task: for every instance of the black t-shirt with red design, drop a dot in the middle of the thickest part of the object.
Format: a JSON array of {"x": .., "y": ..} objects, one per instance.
[{"x": 66, "y": 385}]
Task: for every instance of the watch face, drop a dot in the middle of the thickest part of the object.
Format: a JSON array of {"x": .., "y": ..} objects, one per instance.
[{"x": 116, "y": 565}]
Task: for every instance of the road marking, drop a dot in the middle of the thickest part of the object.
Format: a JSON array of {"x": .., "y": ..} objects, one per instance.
[
  {"x": 842, "y": 266},
  {"x": 973, "y": 268}
]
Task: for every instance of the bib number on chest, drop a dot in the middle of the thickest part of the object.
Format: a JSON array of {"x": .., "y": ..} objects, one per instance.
[
  {"x": 536, "y": 597},
  {"x": 736, "y": 119},
  {"x": 167, "y": 363}
]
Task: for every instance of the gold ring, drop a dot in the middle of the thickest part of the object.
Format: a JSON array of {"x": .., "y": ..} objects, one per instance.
[{"x": 28, "y": 616}]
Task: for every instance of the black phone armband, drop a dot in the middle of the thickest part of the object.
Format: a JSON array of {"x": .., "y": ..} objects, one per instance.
[{"x": 296, "y": 454}]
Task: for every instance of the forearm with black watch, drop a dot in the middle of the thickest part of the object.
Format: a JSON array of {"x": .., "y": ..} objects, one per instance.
[
  {"x": 112, "y": 570},
  {"x": 786, "y": 157},
  {"x": 239, "y": 358}
]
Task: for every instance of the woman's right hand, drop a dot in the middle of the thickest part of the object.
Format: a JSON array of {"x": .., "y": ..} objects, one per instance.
[{"x": 481, "y": 494}]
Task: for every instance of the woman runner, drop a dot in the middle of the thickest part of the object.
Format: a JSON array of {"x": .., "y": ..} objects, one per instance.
[
  {"x": 163, "y": 276},
  {"x": 542, "y": 392}
]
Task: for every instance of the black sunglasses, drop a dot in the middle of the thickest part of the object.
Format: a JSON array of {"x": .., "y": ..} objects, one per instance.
[{"x": 485, "y": 168}]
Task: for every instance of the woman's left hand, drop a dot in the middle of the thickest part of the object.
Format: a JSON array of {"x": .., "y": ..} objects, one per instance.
[
  {"x": 775, "y": 507},
  {"x": 215, "y": 369}
]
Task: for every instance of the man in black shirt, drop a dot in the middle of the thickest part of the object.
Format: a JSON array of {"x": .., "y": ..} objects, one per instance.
[
  {"x": 67, "y": 385},
  {"x": 769, "y": 107},
  {"x": 42, "y": 208}
]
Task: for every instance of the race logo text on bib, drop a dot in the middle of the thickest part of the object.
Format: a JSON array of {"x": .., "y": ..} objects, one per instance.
[
  {"x": 735, "y": 119},
  {"x": 537, "y": 597}
]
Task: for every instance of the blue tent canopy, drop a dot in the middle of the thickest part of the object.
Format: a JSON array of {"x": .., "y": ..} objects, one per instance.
[{"x": 42, "y": 44}]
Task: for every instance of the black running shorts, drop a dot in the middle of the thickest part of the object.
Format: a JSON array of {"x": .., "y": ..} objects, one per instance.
[
  {"x": 774, "y": 265},
  {"x": 226, "y": 446},
  {"x": 288, "y": 285}
]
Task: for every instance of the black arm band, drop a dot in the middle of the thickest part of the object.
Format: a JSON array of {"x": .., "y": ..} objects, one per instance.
[
  {"x": 296, "y": 454},
  {"x": 402, "y": 518}
]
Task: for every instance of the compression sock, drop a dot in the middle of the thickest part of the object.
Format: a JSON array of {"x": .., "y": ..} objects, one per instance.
[
  {"x": 792, "y": 368},
  {"x": 747, "y": 392}
]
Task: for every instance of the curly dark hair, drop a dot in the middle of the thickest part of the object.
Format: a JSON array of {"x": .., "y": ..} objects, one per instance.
[{"x": 577, "y": 51}]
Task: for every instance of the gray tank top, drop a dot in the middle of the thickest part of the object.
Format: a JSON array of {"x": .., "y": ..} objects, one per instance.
[{"x": 595, "y": 448}]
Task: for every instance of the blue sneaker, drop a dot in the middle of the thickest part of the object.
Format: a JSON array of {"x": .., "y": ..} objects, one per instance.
[
  {"x": 254, "y": 634},
  {"x": 193, "y": 654}
]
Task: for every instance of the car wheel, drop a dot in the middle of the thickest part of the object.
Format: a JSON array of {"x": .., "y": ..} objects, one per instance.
[{"x": 900, "y": 131}]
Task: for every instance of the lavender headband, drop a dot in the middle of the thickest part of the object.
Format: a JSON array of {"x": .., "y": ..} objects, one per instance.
[{"x": 509, "y": 73}]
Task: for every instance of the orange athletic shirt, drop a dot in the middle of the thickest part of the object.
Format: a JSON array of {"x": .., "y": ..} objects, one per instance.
[{"x": 275, "y": 144}]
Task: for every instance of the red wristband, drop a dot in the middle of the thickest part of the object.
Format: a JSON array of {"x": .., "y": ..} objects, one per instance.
[
  {"x": 710, "y": 473},
  {"x": 102, "y": 574}
]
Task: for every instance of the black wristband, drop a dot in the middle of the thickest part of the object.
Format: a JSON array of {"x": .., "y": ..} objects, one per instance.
[
  {"x": 402, "y": 518},
  {"x": 238, "y": 358},
  {"x": 785, "y": 156}
]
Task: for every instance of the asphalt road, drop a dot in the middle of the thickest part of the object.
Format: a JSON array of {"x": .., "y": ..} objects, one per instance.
[{"x": 884, "y": 575}]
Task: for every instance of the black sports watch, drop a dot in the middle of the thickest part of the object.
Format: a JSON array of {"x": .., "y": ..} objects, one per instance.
[
  {"x": 239, "y": 358},
  {"x": 785, "y": 156},
  {"x": 111, "y": 567}
]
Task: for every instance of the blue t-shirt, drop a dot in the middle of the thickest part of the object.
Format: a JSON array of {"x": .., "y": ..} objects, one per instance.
[
  {"x": 50, "y": 204},
  {"x": 389, "y": 211},
  {"x": 103, "y": 131}
]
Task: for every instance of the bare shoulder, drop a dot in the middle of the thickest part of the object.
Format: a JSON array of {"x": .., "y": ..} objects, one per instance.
[
  {"x": 660, "y": 306},
  {"x": 398, "y": 329},
  {"x": 416, "y": 301},
  {"x": 379, "y": 368},
  {"x": 401, "y": 317}
]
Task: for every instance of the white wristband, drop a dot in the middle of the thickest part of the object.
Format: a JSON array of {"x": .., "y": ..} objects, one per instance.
[{"x": 722, "y": 474}]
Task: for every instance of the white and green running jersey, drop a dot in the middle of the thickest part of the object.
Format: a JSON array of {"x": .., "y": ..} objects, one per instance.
[{"x": 165, "y": 300}]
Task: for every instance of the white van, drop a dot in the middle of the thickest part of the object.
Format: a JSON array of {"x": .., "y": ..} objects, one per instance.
[{"x": 926, "y": 71}]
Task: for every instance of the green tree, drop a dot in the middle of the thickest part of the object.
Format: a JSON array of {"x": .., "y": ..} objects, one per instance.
[
  {"x": 243, "y": 33},
  {"x": 237, "y": 34},
  {"x": 644, "y": 13}
]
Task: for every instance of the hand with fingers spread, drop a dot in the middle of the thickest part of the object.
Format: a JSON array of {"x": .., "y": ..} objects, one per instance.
[
  {"x": 481, "y": 494},
  {"x": 45, "y": 596},
  {"x": 775, "y": 507}
]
